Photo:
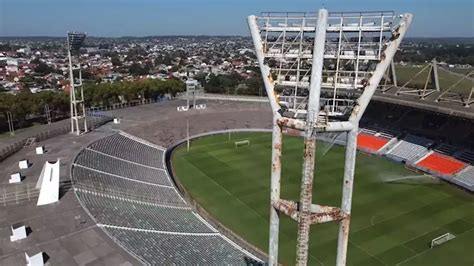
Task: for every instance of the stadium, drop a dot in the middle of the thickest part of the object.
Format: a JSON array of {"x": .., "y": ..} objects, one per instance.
[{"x": 166, "y": 183}]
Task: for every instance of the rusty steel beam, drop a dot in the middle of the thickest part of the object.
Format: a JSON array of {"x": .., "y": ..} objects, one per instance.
[
  {"x": 304, "y": 217},
  {"x": 347, "y": 188},
  {"x": 293, "y": 123},
  {"x": 304, "y": 212},
  {"x": 290, "y": 208},
  {"x": 335, "y": 214},
  {"x": 268, "y": 82},
  {"x": 277, "y": 141},
  {"x": 319, "y": 214}
]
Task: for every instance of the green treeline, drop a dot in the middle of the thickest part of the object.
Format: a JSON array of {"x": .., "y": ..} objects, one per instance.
[{"x": 28, "y": 108}]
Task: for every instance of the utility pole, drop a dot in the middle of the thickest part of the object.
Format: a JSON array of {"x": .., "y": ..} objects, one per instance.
[
  {"x": 11, "y": 127},
  {"x": 47, "y": 112},
  {"x": 187, "y": 133}
]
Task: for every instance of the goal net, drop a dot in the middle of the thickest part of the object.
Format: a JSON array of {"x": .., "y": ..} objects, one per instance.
[
  {"x": 242, "y": 143},
  {"x": 441, "y": 239}
]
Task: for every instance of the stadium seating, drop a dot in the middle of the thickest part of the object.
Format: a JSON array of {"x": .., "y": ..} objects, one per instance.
[
  {"x": 123, "y": 184},
  {"x": 370, "y": 142},
  {"x": 442, "y": 164},
  {"x": 123, "y": 168},
  {"x": 446, "y": 149},
  {"x": 136, "y": 214},
  {"x": 173, "y": 249},
  {"x": 122, "y": 147},
  {"x": 466, "y": 176},
  {"x": 103, "y": 183},
  {"x": 410, "y": 149},
  {"x": 466, "y": 156}
]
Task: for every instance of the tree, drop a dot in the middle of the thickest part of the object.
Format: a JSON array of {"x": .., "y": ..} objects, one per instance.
[
  {"x": 254, "y": 86},
  {"x": 201, "y": 78},
  {"x": 116, "y": 61},
  {"x": 43, "y": 68},
  {"x": 137, "y": 70},
  {"x": 23, "y": 105},
  {"x": 158, "y": 60},
  {"x": 35, "y": 61}
]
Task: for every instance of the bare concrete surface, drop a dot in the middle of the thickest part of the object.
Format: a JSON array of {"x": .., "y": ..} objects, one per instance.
[
  {"x": 63, "y": 230},
  {"x": 162, "y": 124},
  {"x": 6, "y": 139}
]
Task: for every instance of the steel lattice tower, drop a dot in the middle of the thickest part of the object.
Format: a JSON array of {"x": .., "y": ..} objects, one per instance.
[
  {"x": 301, "y": 55},
  {"x": 78, "y": 109}
]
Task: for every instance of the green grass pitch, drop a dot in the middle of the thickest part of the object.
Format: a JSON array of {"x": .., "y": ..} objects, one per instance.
[{"x": 394, "y": 218}]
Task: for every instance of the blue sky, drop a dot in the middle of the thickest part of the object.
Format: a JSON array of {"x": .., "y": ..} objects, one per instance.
[{"x": 433, "y": 18}]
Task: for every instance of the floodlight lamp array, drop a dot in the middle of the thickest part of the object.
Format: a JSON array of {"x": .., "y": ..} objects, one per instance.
[
  {"x": 75, "y": 40},
  {"x": 354, "y": 44}
]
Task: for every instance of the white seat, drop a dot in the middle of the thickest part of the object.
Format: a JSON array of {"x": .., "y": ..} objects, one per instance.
[
  {"x": 23, "y": 164},
  {"x": 15, "y": 178},
  {"x": 35, "y": 260},
  {"x": 40, "y": 150},
  {"x": 18, "y": 233}
]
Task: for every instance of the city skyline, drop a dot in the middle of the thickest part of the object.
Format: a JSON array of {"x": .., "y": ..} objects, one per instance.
[{"x": 211, "y": 17}]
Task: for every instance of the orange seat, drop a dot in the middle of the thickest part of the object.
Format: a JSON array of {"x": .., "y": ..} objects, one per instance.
[
  {"x": 370, "y": 142},
  {"x": 443, "y": 164}
]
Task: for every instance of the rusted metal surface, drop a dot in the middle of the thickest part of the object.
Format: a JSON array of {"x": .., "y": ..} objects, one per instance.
[
  {"x": 338, "y": 126},
  {"x": 291, "y": 123},
  {"x": 347, "y": 188},
  {"x": 290, "y": 208},
  {"x": 277, "y": 142},
  {"x": 264, "y": 69},
  {"x": 324, "y": 217},
  {"x": 318, "y": 214},
  {"x": 306, "y": 194},
  {"x": 304, "y": 212}
]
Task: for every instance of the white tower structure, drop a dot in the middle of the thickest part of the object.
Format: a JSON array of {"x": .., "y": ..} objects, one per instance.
[
  {"x": 301, "y": 56},
  {"x": 78, "y": 109},
  {"x": 191, "y": 86}
]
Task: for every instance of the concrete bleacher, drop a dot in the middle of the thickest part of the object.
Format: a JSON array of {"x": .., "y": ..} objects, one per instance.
[
  {"x": 446, "y": 149},
  {"x": 137, "y": 214},
  {"x": 128, "y": 149},
  {"x": 123, "y": 184},
  {"x": 410, "y": 149},
  {"x": 180, "y": 249},
  {"x": 91, "y": 180},
  {"x": 115, "y": 166},
  {"x": 465, "y": 177},
  {"x": 466, "y": 156}
]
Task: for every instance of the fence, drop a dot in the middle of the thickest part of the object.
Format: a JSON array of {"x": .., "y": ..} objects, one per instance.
[
  {"x": 95, "y": 120},
  {"x": 93, "y": 110}
]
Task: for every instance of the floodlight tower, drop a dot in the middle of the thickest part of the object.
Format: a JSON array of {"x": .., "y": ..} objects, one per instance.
[
  {"x": 300, "y": 55},
  {"x": 78, "y": 109},
  {"x": 191, "y": 86}
]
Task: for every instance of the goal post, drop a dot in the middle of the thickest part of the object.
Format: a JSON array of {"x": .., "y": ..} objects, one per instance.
[
  {"x": 441, "y": 239},
  {"x": 242, "y": 143}
]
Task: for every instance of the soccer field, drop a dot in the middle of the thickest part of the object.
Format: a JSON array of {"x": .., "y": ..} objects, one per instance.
[{"x": 395, "y": 215}]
